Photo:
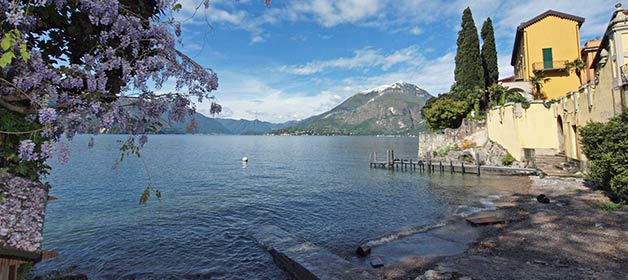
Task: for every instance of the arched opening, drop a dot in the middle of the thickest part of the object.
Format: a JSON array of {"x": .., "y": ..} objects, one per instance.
[
  {"x": 520, "y": 92},
  {"x": 561, "y": 135}
]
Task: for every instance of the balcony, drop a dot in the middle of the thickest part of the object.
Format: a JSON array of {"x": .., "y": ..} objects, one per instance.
[{"x": 555, "y": 65}]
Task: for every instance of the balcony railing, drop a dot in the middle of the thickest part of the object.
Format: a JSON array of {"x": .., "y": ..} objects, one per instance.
[{"x": 547, "y": 66}]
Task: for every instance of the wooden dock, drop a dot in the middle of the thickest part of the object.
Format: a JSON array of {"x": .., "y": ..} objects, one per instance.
[{"x": 431, "y": 167}]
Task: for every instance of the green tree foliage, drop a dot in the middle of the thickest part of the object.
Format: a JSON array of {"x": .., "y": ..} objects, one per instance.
[
  {"x": 606, "y": 146},
  {"x": 489, "y": 54},
  {"x": 538, "y": 80},
  {"x": 577, "y": 66},
  {"x": 469, "y": 74},
  {"x": 497, "y": 94},
  {"x": 445, "y": 111}
]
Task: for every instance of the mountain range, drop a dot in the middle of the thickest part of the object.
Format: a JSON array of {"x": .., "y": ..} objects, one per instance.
[{"x": 387, "y": 110}]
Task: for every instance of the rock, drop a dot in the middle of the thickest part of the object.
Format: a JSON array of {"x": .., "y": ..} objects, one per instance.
[
  {"x": 363, "y": 251},
  {"x": 377, "y": 262},
  {"x": 542, "y": 198}
]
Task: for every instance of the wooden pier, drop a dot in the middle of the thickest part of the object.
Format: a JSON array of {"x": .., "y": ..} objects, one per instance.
[{"x": 433, "y": 167}]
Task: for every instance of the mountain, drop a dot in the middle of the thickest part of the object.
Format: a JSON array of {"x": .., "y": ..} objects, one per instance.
[
  {"x": 208, "y": 125},
  {"x": 387, "y": 110},
  {"x": 205, "y": 126},
  {"x": 247, "y": 127}
]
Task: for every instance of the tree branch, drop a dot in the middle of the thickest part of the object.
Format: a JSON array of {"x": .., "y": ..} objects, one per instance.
[{"x": 13, "y": 108}]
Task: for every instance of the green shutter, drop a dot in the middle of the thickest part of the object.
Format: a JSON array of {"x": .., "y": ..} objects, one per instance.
[{"x": 548, "y": 61}]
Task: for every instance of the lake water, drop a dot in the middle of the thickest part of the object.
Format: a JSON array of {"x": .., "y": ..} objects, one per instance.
[{"x": 320, "y": 188}]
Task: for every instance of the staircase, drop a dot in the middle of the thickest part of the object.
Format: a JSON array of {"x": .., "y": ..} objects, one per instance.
[{"x": 557, "y": 165}]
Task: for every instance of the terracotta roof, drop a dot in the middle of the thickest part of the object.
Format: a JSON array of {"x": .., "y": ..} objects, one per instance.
[{"x": 523, "y": 25}]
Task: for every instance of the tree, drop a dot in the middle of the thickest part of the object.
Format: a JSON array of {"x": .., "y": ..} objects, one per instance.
[
  {"x": 577, "y": 66},
  {"x": 69, "y": 67},
  {"x": 537, "y": 81},
  {"x": 489, "y": 54},
  {"x": 605, "y": 146},
  {"x": 468, "y": 73},
  {"x": 445, "y": 111}
]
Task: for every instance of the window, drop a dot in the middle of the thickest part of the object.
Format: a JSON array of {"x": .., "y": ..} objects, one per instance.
[{"x": 548, "y": 61}]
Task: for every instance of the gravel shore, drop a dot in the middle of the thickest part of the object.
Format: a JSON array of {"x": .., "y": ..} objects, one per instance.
[{"x": 565, "y": 239}]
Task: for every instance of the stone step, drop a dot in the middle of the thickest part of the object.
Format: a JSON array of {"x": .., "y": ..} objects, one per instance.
[{"x": 304, "y": 260}]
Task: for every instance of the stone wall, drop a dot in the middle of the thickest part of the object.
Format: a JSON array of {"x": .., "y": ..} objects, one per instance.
[{"x": 462, "y": 144}]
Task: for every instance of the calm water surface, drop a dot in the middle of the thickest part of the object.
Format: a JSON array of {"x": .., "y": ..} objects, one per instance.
[{"x": 320, "y": 188}]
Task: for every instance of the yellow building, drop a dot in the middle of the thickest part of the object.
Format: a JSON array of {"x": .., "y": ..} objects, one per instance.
[
  {"x": 545, "y": 44},
  {"x": 553, "y": 128}
]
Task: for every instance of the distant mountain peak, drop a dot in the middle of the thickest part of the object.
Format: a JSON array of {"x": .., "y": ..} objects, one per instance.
[{"x": 396, "y": 85}]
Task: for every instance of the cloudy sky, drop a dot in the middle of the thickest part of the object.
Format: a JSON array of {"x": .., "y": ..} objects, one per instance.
[{"x": 297, "y": 58}]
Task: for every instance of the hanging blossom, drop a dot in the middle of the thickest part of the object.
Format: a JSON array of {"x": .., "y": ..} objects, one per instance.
[
  {"x": 110, "y": 82},
  {"x": 27, "y": 151}
]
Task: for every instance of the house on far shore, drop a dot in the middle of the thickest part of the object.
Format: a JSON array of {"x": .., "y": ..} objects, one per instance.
[{"x": 545, "y": 44}]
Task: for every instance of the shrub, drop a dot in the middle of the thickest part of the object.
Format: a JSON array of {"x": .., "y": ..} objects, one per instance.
[
  {"x": 444, "y": 111},
  {"x": 608, "y": 206},
  {"x": 508, "y": 160},
  {"x": 606, "y": 146}
]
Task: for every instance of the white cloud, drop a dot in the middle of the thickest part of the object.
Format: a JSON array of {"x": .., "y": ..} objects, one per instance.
[
  {"x": 416, "y": 30},
  {"x": 363, "y": 58},
  {"x": 333, "y": 12},
  {"x": 248, "y": 97}
]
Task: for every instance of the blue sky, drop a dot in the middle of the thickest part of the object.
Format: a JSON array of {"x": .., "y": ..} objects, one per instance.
[{"x": 298, "y": 58}]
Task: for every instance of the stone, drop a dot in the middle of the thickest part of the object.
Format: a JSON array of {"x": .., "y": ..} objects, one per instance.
[
  {"x": 377, "y": 262},
  {"x": 363, "y": 251},
  {"x": 542, "y": 198}
]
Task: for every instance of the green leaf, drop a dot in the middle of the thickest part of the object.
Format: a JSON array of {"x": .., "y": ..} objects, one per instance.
[
  {"x": 145, "y": 195},
  {"x": 24, "y": 53},
  {"x": 6, "y": 41},
  {"x": 177, "y": 7},
  {"x": 6, "y": 59}
]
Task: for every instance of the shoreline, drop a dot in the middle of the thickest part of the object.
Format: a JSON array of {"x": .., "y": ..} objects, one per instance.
[{"x": 565, "y": 239}]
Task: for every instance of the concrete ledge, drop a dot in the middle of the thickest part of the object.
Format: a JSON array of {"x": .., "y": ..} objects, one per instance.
[{"x": 304, "y": 260}]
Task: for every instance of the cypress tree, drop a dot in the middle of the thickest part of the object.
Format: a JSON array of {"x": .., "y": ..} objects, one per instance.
[
  {"x": 469, "y": 73},
  {"x": 489, "y": 54}
]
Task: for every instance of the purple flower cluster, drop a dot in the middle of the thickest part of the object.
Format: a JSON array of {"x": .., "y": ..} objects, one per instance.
[
  {"x": 22, "y": 212},
  {"x": 69, "y": 96},
  {"x": 27, "y": 151}
]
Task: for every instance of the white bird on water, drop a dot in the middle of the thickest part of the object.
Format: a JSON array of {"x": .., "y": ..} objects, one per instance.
[{"x": 245, "y": 159}]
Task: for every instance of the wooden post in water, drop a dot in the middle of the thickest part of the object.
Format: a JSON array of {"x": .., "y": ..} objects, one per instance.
[
  {"x": 462, "y": 164},
  {"x": 375, "y": 156},
  {"x": 440, "y": 166},
  {"x": 451, "y": 167},
  {"x": 429, "y": 161},
  {"x": 477, "y": 158}
]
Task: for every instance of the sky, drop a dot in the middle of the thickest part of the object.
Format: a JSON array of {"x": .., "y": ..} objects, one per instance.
[{"x": 298, "y": 58}]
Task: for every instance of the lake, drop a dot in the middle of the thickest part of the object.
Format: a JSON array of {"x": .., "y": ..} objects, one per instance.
[{"x": 319, "y": 188}]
